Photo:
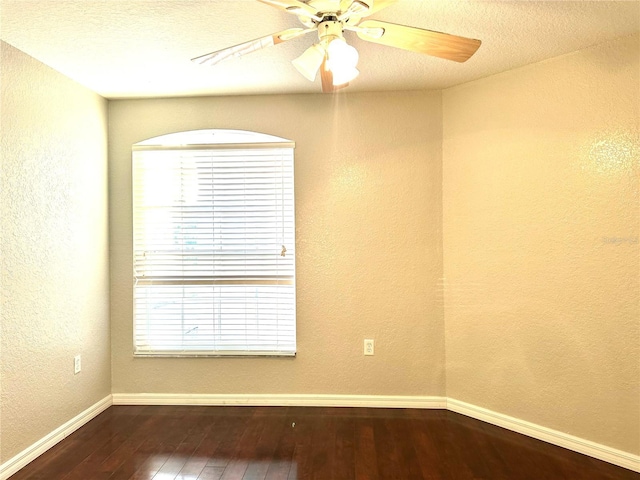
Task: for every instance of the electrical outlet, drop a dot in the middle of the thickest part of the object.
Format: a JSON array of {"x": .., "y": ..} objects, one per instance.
[
  {"x": 368, "y": 346},
  {"x": 77, "y": 365}
]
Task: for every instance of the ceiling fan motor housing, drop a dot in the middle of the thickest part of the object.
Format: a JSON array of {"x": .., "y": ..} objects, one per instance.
[{"x": 329, "y": 29}]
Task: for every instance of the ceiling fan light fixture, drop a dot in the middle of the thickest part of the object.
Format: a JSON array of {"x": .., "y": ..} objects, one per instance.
[
  {"x": 342, "y": 61},
  {"x": 344, "y": 76},
  {"x": 309, "y": 62},
  {"x": 341, "y": 55}
]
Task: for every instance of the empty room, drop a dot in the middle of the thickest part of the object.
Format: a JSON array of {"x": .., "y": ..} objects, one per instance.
[{"x": 323, "y": 239}]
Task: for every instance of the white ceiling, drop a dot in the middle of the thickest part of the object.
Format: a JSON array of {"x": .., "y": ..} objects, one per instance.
[{"x": 142, "y": 48}]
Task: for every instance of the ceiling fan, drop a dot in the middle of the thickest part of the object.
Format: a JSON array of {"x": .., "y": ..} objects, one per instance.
[{"x": 332, "y": 56}]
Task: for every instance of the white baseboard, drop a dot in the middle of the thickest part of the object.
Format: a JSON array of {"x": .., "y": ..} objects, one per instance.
[
  {"x": 29, "y": 454},
  {"x": 374, "y": 401},
  {"x": 555, "y": 437},
  {"x": 592, "y": 449}
]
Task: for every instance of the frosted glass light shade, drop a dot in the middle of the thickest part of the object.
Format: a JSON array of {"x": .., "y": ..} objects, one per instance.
[
  {"x": 344, "y": 75},
  {"x": 342, "y": 55},
  {"x": 309, "y": 62},
  {"x": 342, "y": 61}
]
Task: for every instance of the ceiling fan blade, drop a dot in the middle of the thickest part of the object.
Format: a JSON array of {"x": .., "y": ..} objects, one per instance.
[
  {"x": 327, "y": 79},
  {"x": 293, "y": 6},
  {"x": 345, "y": 4},
  {"x": 377, "y": 6},
  {"x": 250, "y": 46},
  {"x": 443, "y": 45}
]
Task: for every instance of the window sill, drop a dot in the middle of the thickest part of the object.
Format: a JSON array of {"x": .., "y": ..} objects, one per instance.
[{"x": 213, "y": 354}]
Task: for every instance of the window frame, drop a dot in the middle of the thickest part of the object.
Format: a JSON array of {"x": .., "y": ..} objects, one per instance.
[{"x": 225, "y": 140}]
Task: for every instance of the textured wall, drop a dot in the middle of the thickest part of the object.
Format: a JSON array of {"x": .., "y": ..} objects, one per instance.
[
  {"x": 540, "y": 230},
  {"x": 368, "y": 212},
  {"x": 541, "y": 253},
  {"x": 53, "y": 205}
]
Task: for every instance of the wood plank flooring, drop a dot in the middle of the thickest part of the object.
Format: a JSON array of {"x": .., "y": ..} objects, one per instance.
[{"x": 295, "y": 443}]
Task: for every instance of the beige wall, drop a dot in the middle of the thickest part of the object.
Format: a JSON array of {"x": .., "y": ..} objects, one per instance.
[
  {"x": 541, "y": 253},
  {"x": 540, "y": 191},
  {"x": 368, "y": 214},
  {"x": 54, "y": 250}
]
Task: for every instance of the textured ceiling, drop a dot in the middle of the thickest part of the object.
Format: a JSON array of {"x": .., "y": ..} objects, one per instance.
[{"x": 142, "y": 48}]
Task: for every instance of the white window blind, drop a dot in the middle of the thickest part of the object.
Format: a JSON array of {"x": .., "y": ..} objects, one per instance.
[{"x": 214, "y": 249}]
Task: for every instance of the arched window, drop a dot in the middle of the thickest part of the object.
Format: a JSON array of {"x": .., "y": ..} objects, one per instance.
[{"x": 214, "y": 244}]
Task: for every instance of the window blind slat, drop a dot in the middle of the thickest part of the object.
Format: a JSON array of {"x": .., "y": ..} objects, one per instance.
[{"x": 210, "y": 227}]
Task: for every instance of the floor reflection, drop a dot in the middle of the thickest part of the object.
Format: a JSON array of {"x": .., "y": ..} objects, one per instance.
[{"x": 160, "y": 467}]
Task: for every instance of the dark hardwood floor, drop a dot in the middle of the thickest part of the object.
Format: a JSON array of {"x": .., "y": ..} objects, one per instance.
[{"x": 289, "y": 443}]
